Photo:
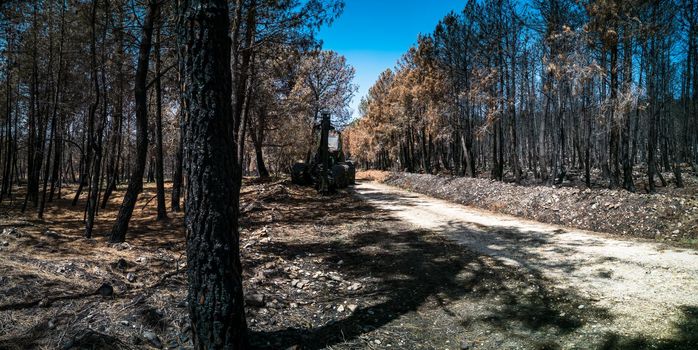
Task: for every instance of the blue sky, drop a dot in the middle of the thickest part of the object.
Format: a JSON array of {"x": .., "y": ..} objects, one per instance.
[{"x": 373, "y": 34}]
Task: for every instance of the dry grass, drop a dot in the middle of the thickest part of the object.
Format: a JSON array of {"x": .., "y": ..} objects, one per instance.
[{"x": 372, "y": 175}]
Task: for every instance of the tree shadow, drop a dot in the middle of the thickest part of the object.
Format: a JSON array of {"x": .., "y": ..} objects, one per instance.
[
  {"x": 685, "y": 337},
  {"x": 329, "y": 210},
  {"x": 87, "y": 340},
  {"x": 409, "y": 268},
  {"x": 391, "y": 198}
]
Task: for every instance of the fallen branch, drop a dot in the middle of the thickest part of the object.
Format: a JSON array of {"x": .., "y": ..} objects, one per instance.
[
  {"x": 45, "y": 302},
  {"x": 148, "y": 202}
]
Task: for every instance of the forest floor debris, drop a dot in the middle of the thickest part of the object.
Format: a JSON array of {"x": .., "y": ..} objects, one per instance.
[
  {"x": 671, "y": 215},
  {"x": 319, "y": 272}
]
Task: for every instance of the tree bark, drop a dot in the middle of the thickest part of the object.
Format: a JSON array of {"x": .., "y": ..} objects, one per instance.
[
  {"x": 95, "y": 139},
  {"x": 628, "y": 183},
  {"x": 653, "y": 114},
  {"x": 118, "y": 115},
  {"x": 6, "y": 187},
  {"x": 177, "y": 178},
  {"x": 52, "y": 135},
  {"x": 257, "y": 137},
  {"x": 135, "y": 185},
  {"x": 159, "y": 171},
  {"x": 215, "y": 273},
  {"x": 35, "y": 140},
  {"x": 615, "y": 135}
]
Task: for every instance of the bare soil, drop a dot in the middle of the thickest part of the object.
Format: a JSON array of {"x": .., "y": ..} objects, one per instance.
[{"x": 338, "y": 272}]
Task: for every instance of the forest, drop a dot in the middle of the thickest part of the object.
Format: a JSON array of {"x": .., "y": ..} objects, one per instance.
[
  {"x": 604, "y": 92},
  {"x": 105, "y": 94},
  {"x": 92, "y": 95},
  {"x": 192, "y": 174}
]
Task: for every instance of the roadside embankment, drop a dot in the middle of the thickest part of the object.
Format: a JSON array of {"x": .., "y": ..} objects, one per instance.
[{"x": 660, "y": 217}]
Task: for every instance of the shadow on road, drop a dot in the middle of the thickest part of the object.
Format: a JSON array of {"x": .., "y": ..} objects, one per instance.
[{"x": 415, "y": 272}]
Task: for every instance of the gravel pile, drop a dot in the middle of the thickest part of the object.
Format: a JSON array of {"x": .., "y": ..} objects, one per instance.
[{"x": 613, "y": 211}]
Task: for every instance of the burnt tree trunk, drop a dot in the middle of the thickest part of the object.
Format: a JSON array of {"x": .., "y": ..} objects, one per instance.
[
  {"x": 257, "y": 137},
  {"x": 215, "y": 273},
  {"x": 135, "y": 184},
  {"x": 627, "y": 163},
  {"x": 177, "y": 177},
  {"x": 118, "y": 116},
  {"x": 52, "y": 135},
  {"x": 614, "y": 143},
  {"x": 36, "y": 136},
  {"x": 6, "y": 189},
  {"x": 93, "y": 137},
  {"x": 159, "y": 171},
  {"x": 653, "y": 114}
]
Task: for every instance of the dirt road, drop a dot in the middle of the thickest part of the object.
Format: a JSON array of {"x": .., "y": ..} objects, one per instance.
[{"x": 646, "y": 290}]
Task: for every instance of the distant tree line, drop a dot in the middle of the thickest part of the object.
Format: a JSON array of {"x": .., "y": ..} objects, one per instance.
[{"x": 543, "y": 91}]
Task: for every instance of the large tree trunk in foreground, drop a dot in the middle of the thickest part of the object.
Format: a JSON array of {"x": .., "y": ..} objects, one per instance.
[
  {"x": 135, "y": 184},
  {"x": 215, "y": 277}
]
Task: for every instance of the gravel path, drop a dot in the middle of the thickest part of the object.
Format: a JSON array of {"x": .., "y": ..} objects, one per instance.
[{"x": 643, "y": 285}]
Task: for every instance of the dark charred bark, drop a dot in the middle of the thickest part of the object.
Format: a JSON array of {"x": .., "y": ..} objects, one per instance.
[
  {"x": 6, "y": 188},
  {"x": 653, "y": 115},
  {"x": 95, "y": 139},
  {"x": 177, "y": 177},
  {"x": 135, "y": 185},
  {"x": 615, "y": 141},
  {"x": 57, "y": 157},
  {"x": 151, "y": 170},
  {"x": 257, "y": 137},
  {"x": 118, "y": 117},
  {"x": 628, "y": 183},
  {"x": 159, "y": 171},
  {"x": 54, "y": 120},
  {"x": 35, "y": 139},
  {"x": 178, "y": 173},
  {"x": 215, "y": 273}
]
